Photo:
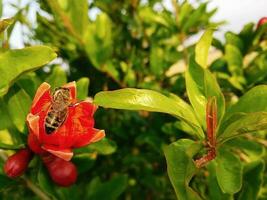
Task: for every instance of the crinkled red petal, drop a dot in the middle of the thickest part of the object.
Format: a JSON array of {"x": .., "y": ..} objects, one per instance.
[{"x": 78, "y": 124}]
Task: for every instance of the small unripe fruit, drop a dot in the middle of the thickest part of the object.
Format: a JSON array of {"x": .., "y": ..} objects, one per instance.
[
  {"x": 17, "y": 164},
  {"x": 262, "y": 21},
  {"x": 63, "y": 173}
]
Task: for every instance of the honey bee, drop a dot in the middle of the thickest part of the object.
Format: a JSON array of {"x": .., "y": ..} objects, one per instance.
[{"x": 59, "y": 109}]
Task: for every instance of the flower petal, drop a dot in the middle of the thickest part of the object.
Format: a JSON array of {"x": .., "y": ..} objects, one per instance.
[
  {"x": 65, "y": 154},
  {"x": 93, "y": 135},
  {"x": 42, "y": 98},
  {"x": 34, "y": 144},
  {"x": 33, "y": 124}
]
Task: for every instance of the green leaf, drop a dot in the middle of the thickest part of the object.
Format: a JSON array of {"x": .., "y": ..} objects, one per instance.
[
  {"x": 142, "y": 99},
  {"x": 14, "y": 63},
  {"x": 110, "y": 190},
  {"x": 252, "y": 180},
  {"x": 202, "y": 48},
  {"x": 18, "y": 104},
  {"x": 11, "y": 146},
  {"x": 257, "y": 69},
  {"x": 215, "y": 191},
  {"x": 228, "y": 171},
  {"x": 247, "y": 123},
  {"x": 5, "y": 23},
  {"x": 78, "y": 12},
  {"x": 181, "y": 167},
  {"x": 104, "y": 146},
  {"x": 252, "y": 101},
  {"x": 234, "y": 60},
  {"x": 82, "y": 88},
  {"x": 44, "y": 181},
  {"x": 252, "y": 149},
  {"x": 201, "y": 85},
  {"x": 57, "y": 78},
  {"x": 234, "y": 40},
  {"x": 98, "y": 40}
]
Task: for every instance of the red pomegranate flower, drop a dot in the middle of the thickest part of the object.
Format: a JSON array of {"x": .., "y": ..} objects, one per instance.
[{"x": 76, "y": 131}]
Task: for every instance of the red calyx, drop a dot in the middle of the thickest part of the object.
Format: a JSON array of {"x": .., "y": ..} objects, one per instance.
[
  {"x": 262, "y": 21},
  {"x": 62, "y": 172},
  {"x": 17, "y": 164}
]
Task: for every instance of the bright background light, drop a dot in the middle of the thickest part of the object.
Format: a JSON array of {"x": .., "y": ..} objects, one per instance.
[{"x": 236, "y": 12}]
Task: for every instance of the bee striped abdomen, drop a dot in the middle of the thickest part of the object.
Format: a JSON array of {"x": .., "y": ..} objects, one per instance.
[{"x": 54, "y": 120}]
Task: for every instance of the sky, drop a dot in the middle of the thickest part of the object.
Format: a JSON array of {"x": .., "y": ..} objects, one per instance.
[{"x": 236, "y": 12}]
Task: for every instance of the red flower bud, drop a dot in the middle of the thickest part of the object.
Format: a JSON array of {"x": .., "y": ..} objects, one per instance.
[
  {"x": 62, "y": 172},
  {"x": 262, "y": 21},
  {"x": 17, "y": 164}
]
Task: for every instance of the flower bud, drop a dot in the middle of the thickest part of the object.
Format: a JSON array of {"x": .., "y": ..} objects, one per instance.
[
  {"x": 63, "y": 173},
  {"x": 262, "y": 21},
  {"x": 17, "y": 164}
]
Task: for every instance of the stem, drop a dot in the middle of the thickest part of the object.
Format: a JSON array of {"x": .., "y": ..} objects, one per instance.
[{"x": 35, "y": 189}]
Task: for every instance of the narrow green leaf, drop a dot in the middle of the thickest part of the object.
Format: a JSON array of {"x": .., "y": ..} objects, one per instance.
[
  {"x": 201, "y": 85},
  {"x": 229, "y": 172},
  {"x": 11, "y": 146},
  {"x": 14, "y": 63},
  {"x": 248, "y": 123},
  {"x": 82, "y": 88},
  {"x": 57, "y": 78},
  {"x": 181, "y": 167},
  {"x": 142, "y": 99},
  {"x": 202, "y": 48}
]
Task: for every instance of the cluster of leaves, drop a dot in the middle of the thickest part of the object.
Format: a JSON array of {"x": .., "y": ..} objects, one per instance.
[{"x": 142, "y": 44}]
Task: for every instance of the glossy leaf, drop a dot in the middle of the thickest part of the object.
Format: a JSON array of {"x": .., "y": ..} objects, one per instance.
[
  {"x": 181, "y": 167},
  {"x": 82, "y": 88},
  {"x": 14, "y": 63},
  {"x": 247, "y": 123},
  {"x": 202, "y": 48},
  {"x": 228, "y": 171},
  {"x": 142, "y": 99},
  {"x": 201, "y": 85}
]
